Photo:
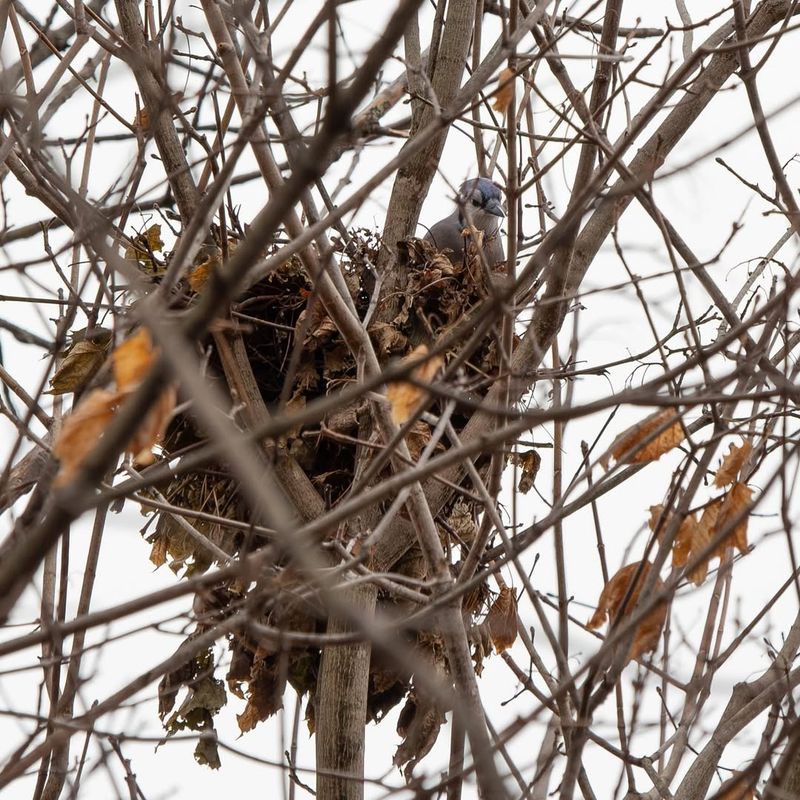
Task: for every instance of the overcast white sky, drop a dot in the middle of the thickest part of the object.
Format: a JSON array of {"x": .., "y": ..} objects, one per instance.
[{"x": 702, "y": 200}]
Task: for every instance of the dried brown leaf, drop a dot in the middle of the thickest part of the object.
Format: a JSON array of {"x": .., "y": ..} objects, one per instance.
[
  {"x": 731, "y": 465},
  {"x": 708, "y": 520},
  {"x": 142, "y": 119},
  {"x": 698, "y": 537},
  {"x": 417, "y": 439},
  {"x": 442, "y": 264},
  {"x": 212, "y": 254},
  {"x": 529, "y": 463},
  {"x": 200, "y": 274},
  {"x": 612, "y": 595},
  {"x": 387, "y": 338},
  {"x": 132, "y": 360},
  {"x": 81, "y": 431},
  {"x": 640, "y": 443},
  {"x": 473, "y": 246},
  {"x": 144, "y": 245},
  {"x": 690, "y": 540},
  {"x": 154, "y": 240},
  {"x": 614, "y": 592},
  {"x": 152, "y": 430},
  {"x": 264, "y": 693},
  {"x": 307, "y": 375},
  {"x": 158, "y": 551},
  {"x": 655, "y": 517},
  {"x": 79, "y": 366},
  {"x": 701, "y": 537},
  {"x": 419, "y": 723},
  {"x": 502, "y": 620},
  {"x": 645, "y": 640},
  {"x": 426, "y": 371},
  {"x": 405, "y": 398},
  {"x": 735, "y": 504},
  {"x": 462, "y": 522},
  {"x": 337, "y": 360},
  {"x": 684, "y": 545},
  {"x": 504, "y": 93},
  {"x": 84, "y": 426}
]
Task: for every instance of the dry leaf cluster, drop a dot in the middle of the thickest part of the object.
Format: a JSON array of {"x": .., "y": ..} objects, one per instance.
[
  {"x": 82, "y": 429},
  {"x": 722, "y": 524},
  {"x": 434, "y": 298}
]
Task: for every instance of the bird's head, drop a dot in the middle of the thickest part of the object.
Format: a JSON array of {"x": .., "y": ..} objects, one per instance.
[{"x": 480, "y": 202}]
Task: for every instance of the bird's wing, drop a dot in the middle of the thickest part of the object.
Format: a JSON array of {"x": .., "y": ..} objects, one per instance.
[{"x": 446, "y": 235}]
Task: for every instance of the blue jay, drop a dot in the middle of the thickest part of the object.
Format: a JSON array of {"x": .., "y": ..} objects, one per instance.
[{"x": 478, "y": 204}]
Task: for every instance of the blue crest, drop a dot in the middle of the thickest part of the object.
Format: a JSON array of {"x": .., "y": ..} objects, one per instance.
[{"x": 488, "y": 189}]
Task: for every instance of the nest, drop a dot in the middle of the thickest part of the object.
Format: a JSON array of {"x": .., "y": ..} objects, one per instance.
[{"x": 297, "y": 356}]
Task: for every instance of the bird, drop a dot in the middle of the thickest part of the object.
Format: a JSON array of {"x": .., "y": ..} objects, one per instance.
[{"x": 478, "y": 204}]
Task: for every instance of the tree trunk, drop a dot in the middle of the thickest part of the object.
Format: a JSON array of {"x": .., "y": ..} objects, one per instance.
[{"x": 342, "y": 697}]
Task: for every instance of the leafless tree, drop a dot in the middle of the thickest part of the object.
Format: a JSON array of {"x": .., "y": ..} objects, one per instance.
[{"x": 379, "y": 472}]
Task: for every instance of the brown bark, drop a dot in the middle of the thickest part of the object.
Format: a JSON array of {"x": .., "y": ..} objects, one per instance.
[
  {"x": 414, "y": 178},
  {"x": 410, "y": 188},
  {"x": 342, "y": 696}
]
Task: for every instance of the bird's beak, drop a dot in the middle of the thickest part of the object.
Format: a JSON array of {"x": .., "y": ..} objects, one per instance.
[{"x": 494, "y": 207}]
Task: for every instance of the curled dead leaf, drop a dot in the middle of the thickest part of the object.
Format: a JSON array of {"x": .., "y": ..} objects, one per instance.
[
  {"x": 142, "y": 119},
  {"x": 144, "y": 245},
  {"x": 647, "y": 440},
  {"x": 735, "y": 506},
  {"x": 80, "y": 365},
  {"x": 502, "y": 620},
  {"x": 387, "y": 338},
  {"x": 504, "y": 93},
  {"x": 405, "y": 398},
  {"x": 83, "y": 428},
  {"x": 200, "y": 274},
  {"x": 151, "y": 432},
  {"x": 609, "y": 605},
  {"x": 81, "y": 431},
  {"x": 732, "y": 464},
  {"x": 473, "y": 247},
  {"x": 708, "y": 520},
  {"x": 85, "y": 425},
  {"x": 158, "y": 551},
  {"x": 462, "y": 522},
  {"x": 691, "y": 539},
  {"x": 419, "y": 724},
  {"x": 418, "y": 438},
  {"x": 213, "y": 259},
  {"x": 529, "y": 463},
  {"x": 655, "y": 523},
  {"x": 265, "y": 688},
  {"x": 684, "y": 543},
  {"x": 132, "y": 360},
  {"x": 701, "y": 535}
]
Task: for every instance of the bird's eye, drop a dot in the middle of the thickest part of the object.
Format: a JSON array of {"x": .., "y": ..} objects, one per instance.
[{"x": 476, "y": 203}]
